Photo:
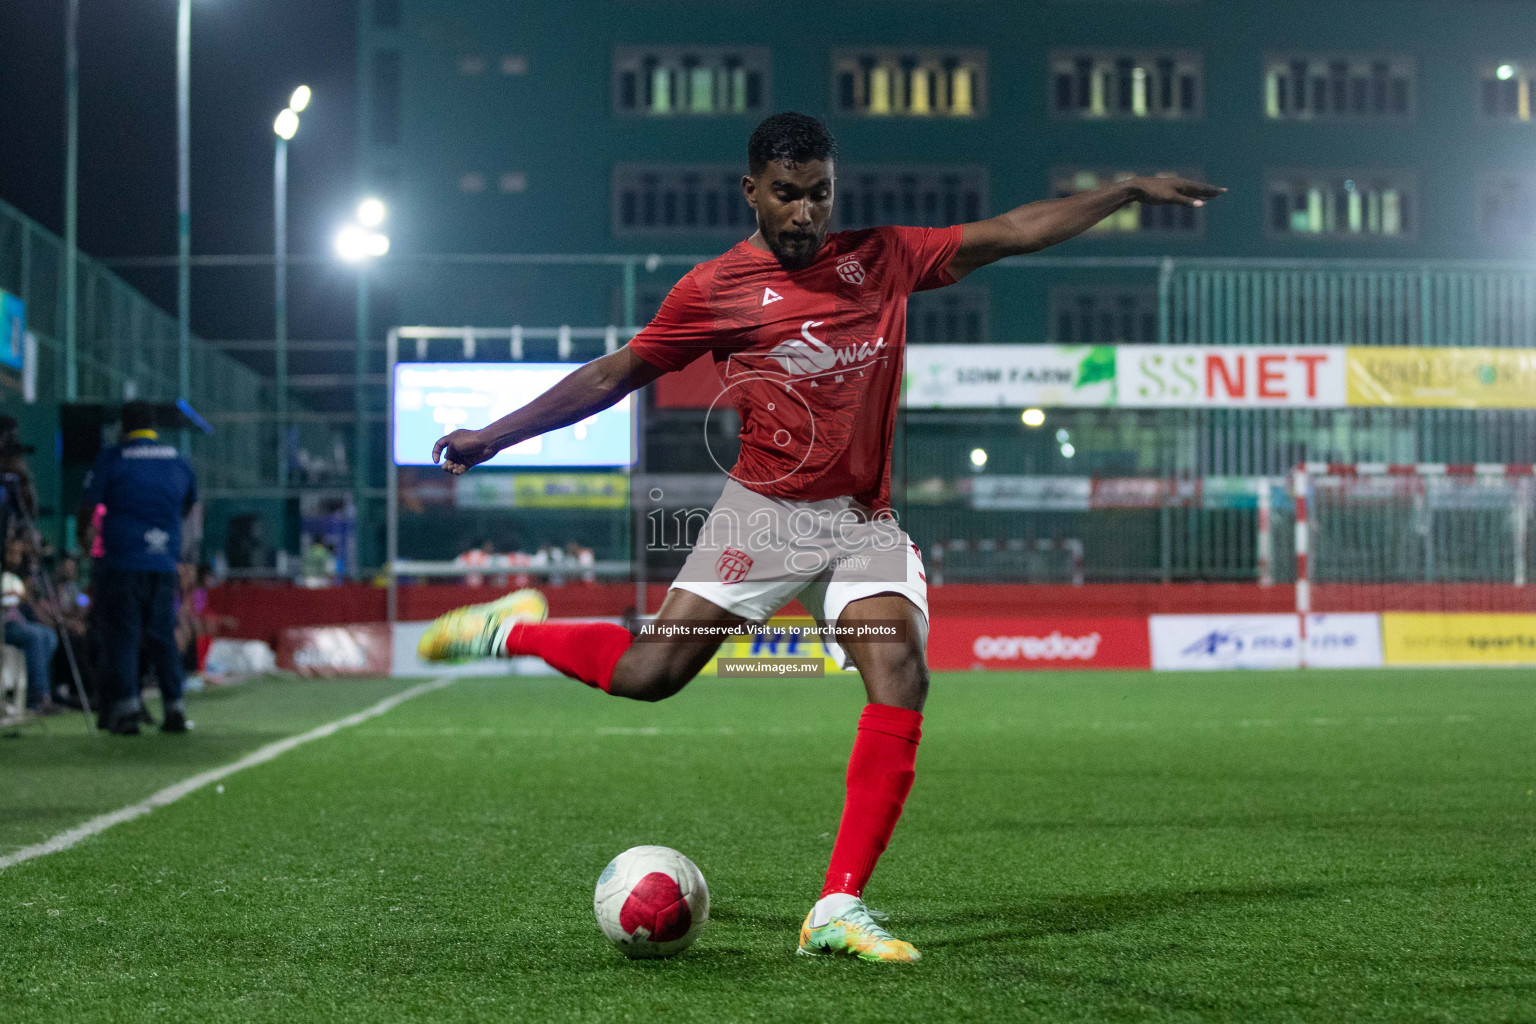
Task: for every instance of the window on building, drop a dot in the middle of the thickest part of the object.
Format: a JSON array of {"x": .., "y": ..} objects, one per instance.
[
  {"x": 910, "y": 83},
  {"x": 707, "y": 199},
  {"x": 1094, "y": 84},
  {"x": 1506, "y": 89},
  {"x": 386, "y": 14},
  {"x": 1301, "y": 86},
  {"x": 678, "y": 82},
  {"x": 1506, "y": 206},
  {"x": 384, "y": 126},
  {"x": 957, "y": 315},
  {"x": 1367, "y": 203},
  {"x": 1103, "y": 316},
  {"x": 931, "y": 197},
  {"x": 1136, "y": 218},
  {"x": 679, "y": 199}
]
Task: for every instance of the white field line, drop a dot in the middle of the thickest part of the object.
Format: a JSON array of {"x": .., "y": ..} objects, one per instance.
[{"x": 170, "y": 794}]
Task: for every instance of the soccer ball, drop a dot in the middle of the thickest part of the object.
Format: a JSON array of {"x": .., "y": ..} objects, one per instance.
[{"x": 651, "y": 901}]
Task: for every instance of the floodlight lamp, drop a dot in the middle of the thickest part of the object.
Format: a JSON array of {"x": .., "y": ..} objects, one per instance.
[
  {"x": 287, "y": 124},
  {"x": 978, "y": 457},
  {"x": 1033, "y": 417},
  {"x": 1505, "y": 72},
  {"x": 301, "y": 97},
  {"x": 1068, "y": 450},
  {"x": 371, "y": 212}
]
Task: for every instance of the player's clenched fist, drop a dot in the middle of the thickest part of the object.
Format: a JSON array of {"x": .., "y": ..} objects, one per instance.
[{"x": 462, "y": 449}]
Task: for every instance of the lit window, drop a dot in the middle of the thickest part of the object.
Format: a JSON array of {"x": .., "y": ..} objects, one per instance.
[
  {"x": 1136, "y": 218},
  {"x": 931, "y": 197},
  {"x": 680, "y": 82},
  {"x": 1506, "y": 89},
  {"x": 472, "y": 64},
  {"x": 474, "y": 181},
  {"x": 1506, "y": 206},
  {"x": 514, "y": 181},
  {"x": 1302, "y": 87},
  {"x": 514, "y": 64},
  {"x": 1100, "y": 84},
  {"x": 909, "y": 83},
  {"x": 1340, "y": 204}
]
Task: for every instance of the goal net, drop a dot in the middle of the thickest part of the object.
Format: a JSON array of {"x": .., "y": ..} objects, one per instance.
[{"x": 1424, "y": 537}]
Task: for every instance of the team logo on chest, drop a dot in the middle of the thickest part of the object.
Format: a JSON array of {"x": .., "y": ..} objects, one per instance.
[
  {"x": 733, "y": 565},
  {"x": 850, "y": 269}
]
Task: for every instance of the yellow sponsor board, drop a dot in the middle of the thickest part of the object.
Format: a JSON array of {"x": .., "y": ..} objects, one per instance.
[
  {"x": 570, "y": 490},
  {"x": 777, "y": 643},
  {"x": 1440, "y": 378},
  {"x": 1458, "y": 638}
]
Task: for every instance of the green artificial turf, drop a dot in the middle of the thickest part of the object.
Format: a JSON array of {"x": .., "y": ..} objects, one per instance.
[{"x": 1307, "y": 846}]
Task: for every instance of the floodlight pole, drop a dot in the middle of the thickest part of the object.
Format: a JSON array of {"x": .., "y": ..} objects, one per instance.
[
  {"x": 184, "y": 203},
  {"x": 280, "y": 305},
  {"x": 71, "y": 198},
  {"x": 360, "y": 417}
]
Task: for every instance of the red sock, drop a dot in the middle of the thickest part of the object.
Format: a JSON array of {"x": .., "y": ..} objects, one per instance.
[
  {"x": 880, "y": 773},
  {"x": 582, "y": 650}
]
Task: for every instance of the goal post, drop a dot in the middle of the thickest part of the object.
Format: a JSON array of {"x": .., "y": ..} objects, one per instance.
[{"x": 1430, "y": 537}]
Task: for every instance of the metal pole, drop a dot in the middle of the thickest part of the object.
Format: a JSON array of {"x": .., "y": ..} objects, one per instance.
[
  {"x": 71, "y": 197},
  {"x": 184, "y": 199},
  {"x": 391, "y": 481},
  {"x": 280, "y": 304},
  {"x": 360, "y": 421}
]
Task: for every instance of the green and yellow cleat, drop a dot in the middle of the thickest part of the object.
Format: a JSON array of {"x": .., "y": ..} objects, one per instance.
[
  {"x": 476, "y": 630},
  {"x": 852, "y": 931}
]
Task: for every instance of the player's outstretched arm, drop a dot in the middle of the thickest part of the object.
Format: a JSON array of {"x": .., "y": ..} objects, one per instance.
[
  {"x": 1035, "y": 226},
  {"x": 591, "y": 389}
]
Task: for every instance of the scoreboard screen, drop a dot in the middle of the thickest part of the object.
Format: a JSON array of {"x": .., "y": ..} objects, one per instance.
[{"x": 431, "y": 399}]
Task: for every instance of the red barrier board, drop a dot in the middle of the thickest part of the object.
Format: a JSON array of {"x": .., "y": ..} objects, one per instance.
[{"x": 1039, "y": 643}]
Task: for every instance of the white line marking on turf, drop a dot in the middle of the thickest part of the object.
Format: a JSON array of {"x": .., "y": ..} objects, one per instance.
[{"x": 170, "y": 794}]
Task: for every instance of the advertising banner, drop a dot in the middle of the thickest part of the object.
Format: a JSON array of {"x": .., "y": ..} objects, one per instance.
[
  {"x": 1230, "y": 376},
  {"x": 1204, "y": 642},
  {"x": 13, "y": 331},
  {"x": 1442, "y": 378},
  {"x": 360, "y": 650},
  {"x": 541, "y": 490},
  {"x": 1344, "y": 641},
  {"x": 1032, "y": 493},
  {"x": 1458, "y": 638},
  {"x": 1008, "y": 376},
  {"x": 1039, "y": 643}
]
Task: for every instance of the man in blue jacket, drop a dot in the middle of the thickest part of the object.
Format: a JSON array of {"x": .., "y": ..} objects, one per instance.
[{"x": 148, "y": 489}]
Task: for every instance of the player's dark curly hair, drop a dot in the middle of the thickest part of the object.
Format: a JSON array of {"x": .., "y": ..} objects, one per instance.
[{"x": 792, "y": 138}]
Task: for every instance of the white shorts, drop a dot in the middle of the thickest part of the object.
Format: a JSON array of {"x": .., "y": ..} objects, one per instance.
[{"x": 755, "y": 554}]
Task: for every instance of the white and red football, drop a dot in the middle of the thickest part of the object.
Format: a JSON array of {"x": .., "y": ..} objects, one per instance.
[{"x": 651, "y": 901}]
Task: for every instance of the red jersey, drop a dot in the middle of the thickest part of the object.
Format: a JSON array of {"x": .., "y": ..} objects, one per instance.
[{"x": 812, "y": 358}]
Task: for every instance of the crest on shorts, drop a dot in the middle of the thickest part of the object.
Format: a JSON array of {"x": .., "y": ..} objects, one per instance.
[
  {"x": 850, "y": 269},
  {"x": 732, "y": 565}
]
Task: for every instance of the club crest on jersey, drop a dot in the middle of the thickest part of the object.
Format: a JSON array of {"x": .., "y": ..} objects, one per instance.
[
  {"x": 769, "y": 295},
  {"x": 733, "y": 565},
  {"x": 850, "y": 269}
]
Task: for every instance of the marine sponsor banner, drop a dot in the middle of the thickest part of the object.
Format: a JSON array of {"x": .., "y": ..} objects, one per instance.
[
  {"x": 1204, "y": 642},
  {"x": 1442, "y": 378},
  {"x": 541, "y": 490},
  {"x": 1230, "y": 376},
  {"x": 1458, "y": 638},
  {"x": 1006, "y": 376},
  {"x": 1039, "y": 643},
  {"x": 1350, "y": 640}
]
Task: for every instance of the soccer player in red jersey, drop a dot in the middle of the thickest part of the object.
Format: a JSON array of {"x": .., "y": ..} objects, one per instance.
[{"x": 806, "y": 330}]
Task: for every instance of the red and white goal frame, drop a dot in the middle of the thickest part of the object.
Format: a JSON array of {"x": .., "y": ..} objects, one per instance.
[{"x": 1305, "y": 473}]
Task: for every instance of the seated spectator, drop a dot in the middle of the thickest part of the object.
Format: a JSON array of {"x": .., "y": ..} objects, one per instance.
[{"x": 23, "y": 630}]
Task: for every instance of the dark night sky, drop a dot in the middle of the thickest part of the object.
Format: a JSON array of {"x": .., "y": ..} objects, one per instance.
[{"x": 247, "y": 56}]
